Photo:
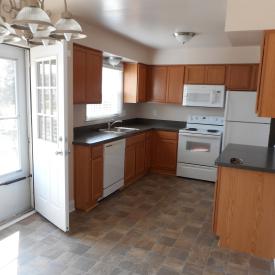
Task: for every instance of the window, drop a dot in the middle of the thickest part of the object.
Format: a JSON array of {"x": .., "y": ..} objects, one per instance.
[
  {"x": 112, "y": 95},
  {"x": 9, "y": 118}
]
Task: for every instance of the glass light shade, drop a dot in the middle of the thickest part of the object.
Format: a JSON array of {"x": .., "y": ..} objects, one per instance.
[
  {"x": 183, "y": 37},
  {"x": 34, "y": 19},
  {"x": 114, "y": 60},
  {"x": 67, "y": 28},
  {"x": 3, "y": 28},
  {"x": 12, "y": 37},
  {"x": 42, "y": 38}
]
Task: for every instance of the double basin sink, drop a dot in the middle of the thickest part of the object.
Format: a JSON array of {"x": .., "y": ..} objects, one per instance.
[{"x": 119, "y": 130}]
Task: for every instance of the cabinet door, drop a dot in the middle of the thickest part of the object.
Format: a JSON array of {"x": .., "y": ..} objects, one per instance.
[
  {"x": 130, "y": 163},
  {"x": 79, "y": 74},
  {"x": 97, "y": 178},
  {"x": 266, "y": 85},
  {"x": 175, "y": 81},
  {"x": 130, "y": 83},
  {"x": 195, "y": 74},
  {"x": 94, "y": 77},
  {"x": 239, "y": 77},
  {"x": 97, "y": 172},
  {"x": 158, "y": 84},
  {"x": 82, "y": 177},
  {"x": 142, "y": 82},
  {"x": 148, "y": 150},
  {"x": 215, "y": 74},
  {"x": 255, "y": 76},
  {"x": 140, "y": 158},
  {"x": 165, "y": 152}
]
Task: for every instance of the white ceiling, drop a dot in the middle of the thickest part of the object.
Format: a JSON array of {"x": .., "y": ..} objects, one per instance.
[{"x": 152, "y": 22}]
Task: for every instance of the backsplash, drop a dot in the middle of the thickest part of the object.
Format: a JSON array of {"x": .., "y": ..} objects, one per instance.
[
  {"x": 174, "y": 112},
  {"x": 150, "y": 111}
]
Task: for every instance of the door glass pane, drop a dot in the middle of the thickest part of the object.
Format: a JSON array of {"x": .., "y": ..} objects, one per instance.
[
  {"x": 53, "y": 73},
  {"x": 47, "y": 73},
  {"x": 40, "y": 101},
  {"x": 7, "y": 87},
  {"x": 198, "y": 146},
  {"x": 47, "y": 101},
  {"x": 39, "y": 68},
  {"x": 41, "y": 127},
  {"x": 53, "y": 99},
  {"x": 9, "y": 146}
]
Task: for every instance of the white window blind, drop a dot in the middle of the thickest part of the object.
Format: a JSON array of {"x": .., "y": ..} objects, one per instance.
[{"x": 112, "y": 95}]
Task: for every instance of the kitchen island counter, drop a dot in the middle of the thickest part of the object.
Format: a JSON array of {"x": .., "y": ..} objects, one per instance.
[{"x": 252, "y": 158}]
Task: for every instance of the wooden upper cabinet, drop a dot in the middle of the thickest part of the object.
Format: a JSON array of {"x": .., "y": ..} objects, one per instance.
[
  {"x": 215, "y": 74},
  {"x": 87, "y": 75},
  {"x": 94, "y": 77},
  {"x": 241, "y": 77},
  {"x": 79, "y": 74},
  {"x": 135, "y": 82},
  {"x": 175, "y": 82},
  {"x": 158, "y": 84},
  {"x": 266, "y": 85},
  {"x": 142, "y": 82},
  {"x": 195, "y": 74}
]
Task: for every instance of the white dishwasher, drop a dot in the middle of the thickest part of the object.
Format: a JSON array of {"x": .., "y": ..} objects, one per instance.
[{"x": 114, "y": 155}]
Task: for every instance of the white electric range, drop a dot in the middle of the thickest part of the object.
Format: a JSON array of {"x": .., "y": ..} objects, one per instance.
[{"x": 199, "y": 146}]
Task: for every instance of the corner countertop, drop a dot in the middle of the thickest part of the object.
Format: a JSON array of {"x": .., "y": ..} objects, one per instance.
[
  {"x": 89, "y": 135},
  {"x": 254, "y": 157}
]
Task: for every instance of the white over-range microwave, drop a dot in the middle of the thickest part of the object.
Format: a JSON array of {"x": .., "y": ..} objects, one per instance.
[{"x": 204, "y": 96}]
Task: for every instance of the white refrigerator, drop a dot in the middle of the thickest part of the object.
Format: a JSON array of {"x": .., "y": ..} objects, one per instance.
[{"x": 242, "y": 126}]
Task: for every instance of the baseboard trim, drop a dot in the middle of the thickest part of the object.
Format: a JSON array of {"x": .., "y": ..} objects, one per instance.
[
  {"x": 12, "y": 222},
  {"x": 71, "y": 206}
]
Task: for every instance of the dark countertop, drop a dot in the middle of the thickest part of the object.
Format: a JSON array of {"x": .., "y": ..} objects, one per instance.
[
  {"x": 89, "y": 135},
  {"x": 254, "y": 157}
]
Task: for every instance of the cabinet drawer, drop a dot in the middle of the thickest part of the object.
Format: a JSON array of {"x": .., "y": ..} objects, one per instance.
[
  {"x": 97, "y": 151},
  {"x": 135, "y": 139},
  {"x": 167, "y": 135}
]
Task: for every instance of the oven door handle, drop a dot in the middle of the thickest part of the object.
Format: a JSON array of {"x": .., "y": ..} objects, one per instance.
[{"x": 200, "y": 135}]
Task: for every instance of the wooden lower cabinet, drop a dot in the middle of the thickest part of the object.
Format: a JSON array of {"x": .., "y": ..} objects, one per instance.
[
  {"x": 130, "y": 163},
  {"x": 134, "y": 158},
  {"x": 164, "y": 152},
  {"x": 88, "y": 176},
  {"x": 244, "y": 210}
]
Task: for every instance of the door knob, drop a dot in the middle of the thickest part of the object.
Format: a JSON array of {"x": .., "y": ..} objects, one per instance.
[{"x": 59, "y": 153}]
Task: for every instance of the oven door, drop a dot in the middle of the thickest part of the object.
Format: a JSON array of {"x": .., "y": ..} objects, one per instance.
[{"x": 198, "y": 149}]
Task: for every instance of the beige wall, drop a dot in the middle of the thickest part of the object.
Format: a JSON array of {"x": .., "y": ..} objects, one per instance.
[
  {"x": 221, "y": 55},
  {"x": 243, "y": 15}
]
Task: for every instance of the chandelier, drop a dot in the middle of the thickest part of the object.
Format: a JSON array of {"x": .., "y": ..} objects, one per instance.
[{"x": 28, "y": 20}]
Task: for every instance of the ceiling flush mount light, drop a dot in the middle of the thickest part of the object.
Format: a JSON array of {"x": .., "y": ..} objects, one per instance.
[
  {"x": 67, "y": 27},
  {"x": 184, "y": 37},
  {"x": 114, "y": 60},
  {"x": 33, "y": 23}
]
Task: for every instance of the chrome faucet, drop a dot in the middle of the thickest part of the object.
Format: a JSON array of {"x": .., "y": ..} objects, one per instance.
[{"x": 112, "y": 123}]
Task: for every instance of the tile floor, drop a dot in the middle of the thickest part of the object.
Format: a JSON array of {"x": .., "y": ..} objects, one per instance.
[{"x": 160, "y": 225}]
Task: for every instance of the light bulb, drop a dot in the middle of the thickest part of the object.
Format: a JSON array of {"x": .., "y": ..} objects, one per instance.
[
  {"x": 68, "y": 36},
  {"x": 33, "y": 27}
]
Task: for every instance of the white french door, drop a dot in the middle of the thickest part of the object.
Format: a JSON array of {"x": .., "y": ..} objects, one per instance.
[
  {"x": 50, "y": 148},
  {"x": 15, "y": 182}
]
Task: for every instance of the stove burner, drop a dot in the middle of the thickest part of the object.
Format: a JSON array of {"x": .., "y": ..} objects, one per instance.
[
  {"x": 212, "y": 131},
  {"x": 191, "y": 129}
]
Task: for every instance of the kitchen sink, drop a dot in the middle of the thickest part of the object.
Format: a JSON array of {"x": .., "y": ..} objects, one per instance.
[{"x": 119, "y": 130}]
